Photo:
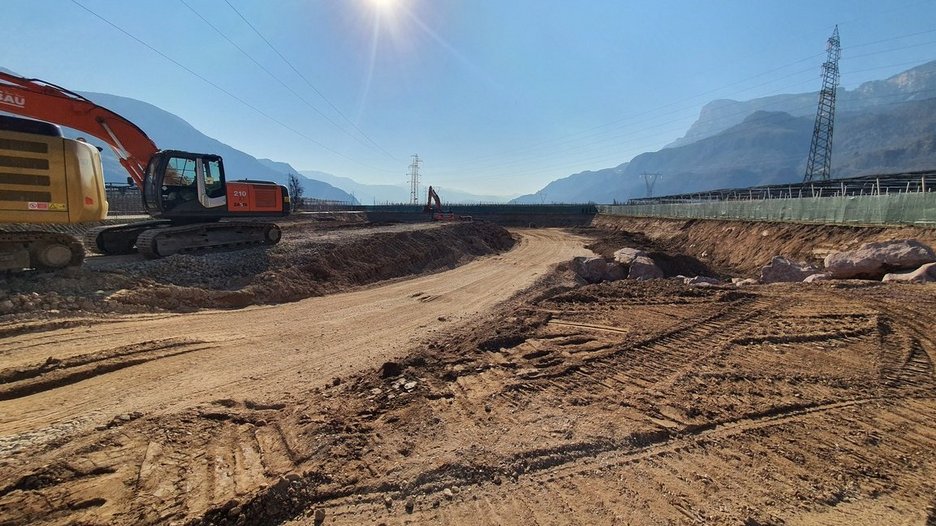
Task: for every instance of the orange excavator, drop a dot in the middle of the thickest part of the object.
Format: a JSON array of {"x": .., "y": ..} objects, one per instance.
[
  {"x": 434, "y": 206},
  {"x": 193, "y": 204}
]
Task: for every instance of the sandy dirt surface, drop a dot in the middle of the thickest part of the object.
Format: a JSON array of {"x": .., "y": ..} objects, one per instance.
[
  {"x": 68, "y": 382},
  {"x": 501, "y": 392}
]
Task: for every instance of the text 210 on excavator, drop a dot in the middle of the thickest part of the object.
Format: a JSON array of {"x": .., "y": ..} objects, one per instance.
[{"x": 45, "y": 178}]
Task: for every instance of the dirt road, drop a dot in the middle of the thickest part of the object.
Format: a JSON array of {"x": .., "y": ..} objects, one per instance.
[
  {"x": 78, "y": 374},
  {"x": 615, "y": 403}
]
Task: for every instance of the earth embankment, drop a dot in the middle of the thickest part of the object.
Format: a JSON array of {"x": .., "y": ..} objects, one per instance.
[
  {"x": 312, "y": 259},
  {"x": 733, "y": 247}
]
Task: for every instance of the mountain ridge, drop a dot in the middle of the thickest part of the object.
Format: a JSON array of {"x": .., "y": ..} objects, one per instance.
[{"x": 882, "y": 126}]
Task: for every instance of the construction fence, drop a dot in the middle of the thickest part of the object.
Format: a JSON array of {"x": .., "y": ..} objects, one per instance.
[{"x": 903, "y": 208}]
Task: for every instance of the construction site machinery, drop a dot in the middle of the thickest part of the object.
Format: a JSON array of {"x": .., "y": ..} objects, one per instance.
[
  {"x": 193, "y": 204},
  {"x": 434, "y": 207},
  {"x": 45, "y": 179}
]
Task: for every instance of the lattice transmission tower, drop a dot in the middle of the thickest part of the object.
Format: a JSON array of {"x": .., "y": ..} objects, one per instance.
[
  {"x": 650, "y": 179},
  {"x": 414, "y": 179},
  {"x": 819, "y": 164}
]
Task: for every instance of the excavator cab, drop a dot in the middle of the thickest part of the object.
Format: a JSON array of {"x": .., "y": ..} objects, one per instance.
[{"x": 183, "y": 185}]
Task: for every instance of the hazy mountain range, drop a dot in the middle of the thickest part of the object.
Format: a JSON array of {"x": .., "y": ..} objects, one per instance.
[
  {"x": 369, "y": 194},
  {"x": 881, "y": 126},
  {"x": 169, "y": 131}
]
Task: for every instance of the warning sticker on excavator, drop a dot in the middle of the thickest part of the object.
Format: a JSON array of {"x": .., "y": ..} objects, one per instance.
[{"x": 33, "y": 205}]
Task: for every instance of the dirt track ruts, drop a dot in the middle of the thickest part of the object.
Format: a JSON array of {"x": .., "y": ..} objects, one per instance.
[{"x": 241, "y": 354}]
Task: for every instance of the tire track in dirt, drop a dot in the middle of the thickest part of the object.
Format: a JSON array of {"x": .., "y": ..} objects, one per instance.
[
  {"x": 655, "y": 491},
  {"x": 54, "y": 373},
  {"x": 202, "y": 454},
  {"x": 645, "y": 454}
]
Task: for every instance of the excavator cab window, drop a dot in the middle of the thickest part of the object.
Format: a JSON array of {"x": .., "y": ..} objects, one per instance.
[
  {"x": 179, "y": 183},
  {"x": 180, "y": 172},
  {"x": 214, "y": 178}
]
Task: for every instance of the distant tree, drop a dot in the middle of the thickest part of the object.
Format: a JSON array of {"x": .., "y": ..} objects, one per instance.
[{"x": 295, "y": 191}]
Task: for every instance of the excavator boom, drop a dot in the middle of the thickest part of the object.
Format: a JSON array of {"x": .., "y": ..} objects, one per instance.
[{"x": 47, "y": 102}]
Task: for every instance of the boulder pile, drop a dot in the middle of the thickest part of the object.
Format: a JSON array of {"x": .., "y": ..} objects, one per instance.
[
  {"x": 906, "y": 260},
  {"x": 629, "y": 263},
  {"x": 902, "y": 260}
]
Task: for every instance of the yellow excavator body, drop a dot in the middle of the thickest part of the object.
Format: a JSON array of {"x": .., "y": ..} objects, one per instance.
[
  {"x": 45, "y": 179},
  {"x": 49, "y": 179}
]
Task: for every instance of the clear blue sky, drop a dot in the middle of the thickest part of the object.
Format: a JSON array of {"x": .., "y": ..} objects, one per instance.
[{"x": 497, "y": 96}]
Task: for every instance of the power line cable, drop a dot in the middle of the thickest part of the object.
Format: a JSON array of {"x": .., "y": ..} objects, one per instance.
[
  {"x": 307, "y": 81},
  {"x": 271, "y": 74},
  {"x": 219, "y": 88}
]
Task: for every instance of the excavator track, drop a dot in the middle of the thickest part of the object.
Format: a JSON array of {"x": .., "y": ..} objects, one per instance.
[
  {"x": 166, "y": 241},
  {"x": 118, "y": 239},
  {"x": 39, "y": 250}
]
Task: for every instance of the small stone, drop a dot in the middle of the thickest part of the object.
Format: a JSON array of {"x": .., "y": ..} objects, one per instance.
[
  {"x": 487, "y": 408},
  {"x": 448, "y": 493},
  {"x": 410, "y": 504},
  {"x": 336, "y": 381},
  {"x": 701, "y": 280},
  {"x": 319, "y": 516},
  {"x": 387, "y": 501},
  {"x": 409, "y": 386},
  {"x": 234, "y": 512}
]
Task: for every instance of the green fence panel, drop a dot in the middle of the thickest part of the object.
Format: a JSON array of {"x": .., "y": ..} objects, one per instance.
[{"x": 915, "y": 208}]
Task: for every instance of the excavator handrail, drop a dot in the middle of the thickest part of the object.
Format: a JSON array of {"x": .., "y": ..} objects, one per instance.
[{"x": 45, "y": 101}]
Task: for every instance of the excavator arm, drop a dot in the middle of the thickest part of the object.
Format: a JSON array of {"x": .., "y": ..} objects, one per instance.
[
  {"x": 433, "y": 197},
  {"x": 47, "y": 102}
]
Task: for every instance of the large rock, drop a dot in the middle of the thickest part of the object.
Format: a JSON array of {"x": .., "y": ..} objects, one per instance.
[
  {"x": 596, "y": 269},
  {"x": 643, "y": 268},
  {"x": 615, "y": 271},
  {"x": 873, "y": 260},
  {"x": 626, "y": 256},
  {"x": 782, "y": 270},
  {"x": 924, "y": 274}
]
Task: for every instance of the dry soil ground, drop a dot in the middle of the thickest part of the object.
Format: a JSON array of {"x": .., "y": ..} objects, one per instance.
[{"x": 500, "y": 392}]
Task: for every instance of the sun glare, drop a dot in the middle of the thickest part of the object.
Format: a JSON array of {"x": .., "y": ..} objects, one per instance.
[{"x": 384, "y": 5}]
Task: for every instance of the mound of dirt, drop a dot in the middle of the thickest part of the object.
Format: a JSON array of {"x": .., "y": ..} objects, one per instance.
[{"x": 308, "y": 262}]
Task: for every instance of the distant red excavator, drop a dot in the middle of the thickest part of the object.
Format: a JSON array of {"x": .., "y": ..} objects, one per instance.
[{"x": 434, "y": 206}]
